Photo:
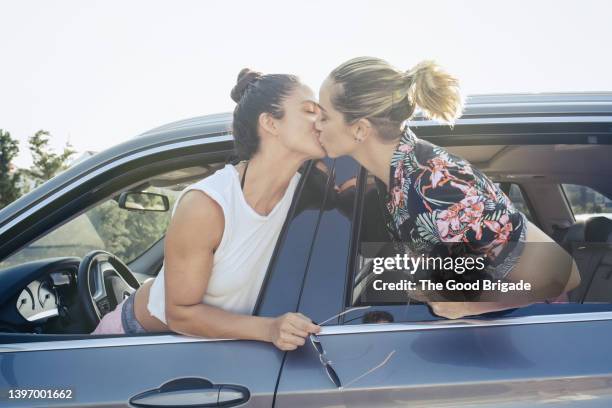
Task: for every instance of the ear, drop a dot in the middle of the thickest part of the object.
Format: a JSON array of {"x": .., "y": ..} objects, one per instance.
[
  {"x": 362, "y": 130},
  {"x": 268, "y": 123}
]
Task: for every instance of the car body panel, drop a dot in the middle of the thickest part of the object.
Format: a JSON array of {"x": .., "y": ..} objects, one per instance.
[
  {"x": 513, "y": 365},
  {"x": 116, "y": 374}
]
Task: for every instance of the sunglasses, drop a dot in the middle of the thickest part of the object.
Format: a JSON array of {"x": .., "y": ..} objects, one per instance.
[{"x": 331, "y": 373}]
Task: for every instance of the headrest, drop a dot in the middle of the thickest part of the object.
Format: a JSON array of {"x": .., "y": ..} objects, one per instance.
[
  {"x": 575, "y": 232},
  {"x": 598, "y": 229}
]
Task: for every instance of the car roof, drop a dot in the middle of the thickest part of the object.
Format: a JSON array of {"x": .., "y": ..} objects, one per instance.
[
  {"x": 532, "y": 104},
  {"x": 476, "y": 106}
]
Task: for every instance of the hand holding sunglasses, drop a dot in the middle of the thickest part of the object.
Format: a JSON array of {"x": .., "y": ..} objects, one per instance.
[{"x": 290, "y": 330}]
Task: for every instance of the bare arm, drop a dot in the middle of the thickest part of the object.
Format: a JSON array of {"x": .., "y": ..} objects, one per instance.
[{"x": 193, "y": 235}]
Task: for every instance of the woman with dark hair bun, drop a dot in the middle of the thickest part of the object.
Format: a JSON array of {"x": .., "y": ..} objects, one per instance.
[{"x": 224, "y": 228}]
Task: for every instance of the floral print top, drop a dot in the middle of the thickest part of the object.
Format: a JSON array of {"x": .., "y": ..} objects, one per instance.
[{"x": 435, "y": 197}]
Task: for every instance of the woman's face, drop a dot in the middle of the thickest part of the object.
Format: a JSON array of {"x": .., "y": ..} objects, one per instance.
[
  {"x": 297, "y": 127},
  {"x": 336, "y": 135}
]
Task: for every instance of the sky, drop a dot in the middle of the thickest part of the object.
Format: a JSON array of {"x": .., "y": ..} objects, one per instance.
[{"x": 96, "y": 73}]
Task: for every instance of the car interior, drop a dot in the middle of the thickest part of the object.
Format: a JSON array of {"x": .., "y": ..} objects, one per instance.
[
  {"x": 541, "y": 173},
  {"x": 53, "y": 303},
  {"x": 536, "y": 178}
]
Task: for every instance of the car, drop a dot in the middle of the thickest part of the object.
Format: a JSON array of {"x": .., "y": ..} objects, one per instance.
[{"x": 76, "y": 246}]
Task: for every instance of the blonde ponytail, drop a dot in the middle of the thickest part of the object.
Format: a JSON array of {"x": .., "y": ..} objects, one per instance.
[
  {"x": 435, "y": 92},
  {"x": 371, "y": 88}
]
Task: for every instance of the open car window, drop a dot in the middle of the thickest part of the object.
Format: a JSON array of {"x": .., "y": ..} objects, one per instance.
[
  {"x": 592, "y": 251},
  {"x": 127, "y": 233},
  {"x": 98, "y": 229}
]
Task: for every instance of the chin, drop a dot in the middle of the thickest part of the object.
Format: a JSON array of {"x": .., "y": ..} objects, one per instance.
[
  {"x": 314, "y": 153},
  {"x": 318, "y": 152},
  {"x": 329, "y": 153},
  {"x": 332, "y": 155}
]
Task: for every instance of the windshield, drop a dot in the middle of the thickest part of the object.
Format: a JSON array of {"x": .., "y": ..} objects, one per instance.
[{"x": 127, "y": 234}]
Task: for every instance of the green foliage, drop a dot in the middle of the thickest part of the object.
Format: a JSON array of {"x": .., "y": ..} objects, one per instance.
[
  {"x": 128, "y": 234},
  {"x": 125, "y": 233},
  {"x": 10, "y": 179},
  {"x": 585, "y": 200},
  {"x": 46, "y": 164}
]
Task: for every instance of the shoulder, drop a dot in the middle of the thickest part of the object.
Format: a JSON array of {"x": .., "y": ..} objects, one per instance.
[
  {"x": 198, "y": 205},
  {"x": 220, "y": 177},
  {"x": 198, "y": 219}
]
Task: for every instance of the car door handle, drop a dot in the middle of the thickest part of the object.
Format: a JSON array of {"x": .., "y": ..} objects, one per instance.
[{"x": 192, "y": 392}]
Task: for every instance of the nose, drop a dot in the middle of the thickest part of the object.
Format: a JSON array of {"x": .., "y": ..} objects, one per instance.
[{"x": 317, "y": 123}]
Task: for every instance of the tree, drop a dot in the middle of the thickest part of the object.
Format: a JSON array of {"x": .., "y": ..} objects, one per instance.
[
  {"x": 10, "y": 177},
  {"x": 46, "y": 164},
  {"x": 128, "y": 234}
]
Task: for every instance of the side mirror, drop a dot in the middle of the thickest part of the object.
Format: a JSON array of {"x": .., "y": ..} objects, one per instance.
[{"x": 143, "y": 201}]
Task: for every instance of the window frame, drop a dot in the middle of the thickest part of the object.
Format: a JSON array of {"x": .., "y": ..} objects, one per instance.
[
  {"x": 445, "y": 139},
  {"x": 435, "y": 322},
  {"x": 525, "y": 197},
  {"x": 353, "y": 260},
  {"x": 37, "y": 342},
  {"x": 321, "y": 244}
]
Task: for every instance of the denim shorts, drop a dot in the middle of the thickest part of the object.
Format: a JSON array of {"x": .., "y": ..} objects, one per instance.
[{"x": 128, "y": 317}]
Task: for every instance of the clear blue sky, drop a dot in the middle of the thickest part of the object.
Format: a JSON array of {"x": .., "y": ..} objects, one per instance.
[{"x": 99, "y": 72}]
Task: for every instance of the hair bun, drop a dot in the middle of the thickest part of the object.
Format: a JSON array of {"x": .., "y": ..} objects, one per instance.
[{"x": 246, "y": 77}]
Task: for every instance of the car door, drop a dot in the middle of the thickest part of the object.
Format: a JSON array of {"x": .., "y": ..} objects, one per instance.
[
  {"x": 542, "y": 354},
  {"x": 152, "y": 369}
]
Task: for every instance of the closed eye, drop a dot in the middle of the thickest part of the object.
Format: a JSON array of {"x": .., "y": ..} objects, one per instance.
[{"x": 310, "y": 107}]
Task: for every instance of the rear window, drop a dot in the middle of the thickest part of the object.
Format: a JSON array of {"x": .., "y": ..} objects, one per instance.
[{"x": 587, "y": 202}]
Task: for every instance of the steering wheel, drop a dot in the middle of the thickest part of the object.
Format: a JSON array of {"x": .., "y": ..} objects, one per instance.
[{"x": 103, "y": 281}]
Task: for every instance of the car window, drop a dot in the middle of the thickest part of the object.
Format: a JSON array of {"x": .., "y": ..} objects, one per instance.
[
  {"x": 587, "y": 202},
  {"x": 325, "y": 281},
  {"x": 128, "y": 234},
  {"x": 287, "y": 266},
  {"x": 515, "y": 194},
  {"x": 125, "y": 233},
  {"x": 373, "y": 242}
]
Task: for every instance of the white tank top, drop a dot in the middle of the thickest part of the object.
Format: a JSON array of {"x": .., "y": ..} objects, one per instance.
[{"x": 241, "y": 260}]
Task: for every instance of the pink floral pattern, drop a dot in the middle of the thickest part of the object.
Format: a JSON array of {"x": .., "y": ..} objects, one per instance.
[{"x": 436, "y": 197}]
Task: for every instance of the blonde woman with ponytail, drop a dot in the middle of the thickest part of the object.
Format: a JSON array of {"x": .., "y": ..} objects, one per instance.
[{"x": 433, "y": 197}]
